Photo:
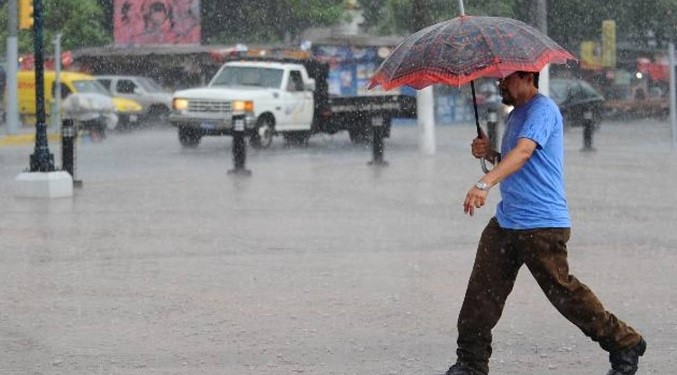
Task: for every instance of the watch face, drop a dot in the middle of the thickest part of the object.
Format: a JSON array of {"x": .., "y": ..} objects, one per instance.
[{"x": 481, "y": 185}]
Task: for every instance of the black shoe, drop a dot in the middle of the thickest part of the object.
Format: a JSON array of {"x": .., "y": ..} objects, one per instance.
[
  {"x": 625, "y": 362},
  {"x": 463, "y": 369}
]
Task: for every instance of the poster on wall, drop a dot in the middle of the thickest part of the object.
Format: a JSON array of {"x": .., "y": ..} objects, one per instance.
[{"x": 146, "y": 22}]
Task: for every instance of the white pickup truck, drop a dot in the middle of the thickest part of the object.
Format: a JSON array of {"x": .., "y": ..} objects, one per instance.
[{"x": 287, "y": 97}]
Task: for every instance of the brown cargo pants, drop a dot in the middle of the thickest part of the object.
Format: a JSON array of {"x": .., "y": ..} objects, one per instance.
[{"x": 500, "y": 254}]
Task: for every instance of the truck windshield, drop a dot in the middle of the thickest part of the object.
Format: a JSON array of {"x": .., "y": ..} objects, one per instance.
[
  {"x": 248, "y": 76},
  {"x": 90, "y": 86},
  {"x": 150, "y": 85}
]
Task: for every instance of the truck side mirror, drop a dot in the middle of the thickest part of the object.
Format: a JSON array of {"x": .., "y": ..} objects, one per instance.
[{"x": 309, "y": 85}]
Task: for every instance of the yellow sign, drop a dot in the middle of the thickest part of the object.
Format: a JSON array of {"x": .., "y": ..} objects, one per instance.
[
  {"x": 590, "y": 55},
  {"x": 609, "y": 44}
]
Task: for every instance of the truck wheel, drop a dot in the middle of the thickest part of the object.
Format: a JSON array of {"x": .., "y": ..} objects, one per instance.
[
  {"x": 263, "y": 136},
  {"x": 189, "y": 138}
]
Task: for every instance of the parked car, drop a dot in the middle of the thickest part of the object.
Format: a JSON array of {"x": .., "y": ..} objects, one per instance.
[
  {"x": 154, "y": 99},
  {"x": 126, "y": 110},
  {"x": 575, "y": 97}
]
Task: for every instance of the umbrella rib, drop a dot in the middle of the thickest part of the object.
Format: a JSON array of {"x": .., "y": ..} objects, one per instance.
[
  {"x": 439, "y": 32},
  {"x": 397, "y": 67},
  {"x": 489, "y": 45},
  {"x": 457, "y": 55}
]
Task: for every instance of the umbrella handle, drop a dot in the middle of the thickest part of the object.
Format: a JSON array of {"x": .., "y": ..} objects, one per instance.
[{"x": 483, "y": 164}]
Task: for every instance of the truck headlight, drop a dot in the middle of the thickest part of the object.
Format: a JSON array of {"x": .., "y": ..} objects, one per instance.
[
  {"x": 243, "y": 106},
  {"x": 180, "y": 104}
]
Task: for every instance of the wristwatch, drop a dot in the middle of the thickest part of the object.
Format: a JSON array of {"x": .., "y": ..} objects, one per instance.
[{"x": 481, "y": 185}]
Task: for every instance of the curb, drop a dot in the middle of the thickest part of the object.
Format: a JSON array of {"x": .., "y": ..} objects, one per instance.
[{"x": 24, "y": 139}]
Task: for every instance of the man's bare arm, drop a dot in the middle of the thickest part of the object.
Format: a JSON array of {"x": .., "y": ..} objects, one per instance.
[{"x": 512, "y": 162}]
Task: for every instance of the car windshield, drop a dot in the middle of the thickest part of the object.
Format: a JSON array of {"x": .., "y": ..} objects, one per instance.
[
  {"x": 248, "y": 76},
  {"x": 90, "y": 86},
  {"x": 149, "y": 85}
]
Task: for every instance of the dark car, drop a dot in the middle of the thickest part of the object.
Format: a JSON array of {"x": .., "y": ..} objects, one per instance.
[{"x": 575, "y": 97}]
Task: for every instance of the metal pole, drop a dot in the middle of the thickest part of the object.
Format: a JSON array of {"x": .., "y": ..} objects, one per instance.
[
  {"x": 541, "y": 22},
  {"x": 239, "y": 147},
  {"x": 378, "y": 128},
  {"x": 56, "y": 108},
  {"x": 673, "y": 96},
  {"x": 12, "y": 86},
  {"x": 425, "y": 113},
  {"x": 425, "y": 107},
  {"x": 588, "y": 130},
  {"x": 41, "y": 160},
  {"x": 69, "y": 135},
  {"x": 461, "y": 9},
  {"x": 492, "y": 126}
]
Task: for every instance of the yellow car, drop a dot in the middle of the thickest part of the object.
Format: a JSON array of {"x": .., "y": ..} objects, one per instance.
[{"x": 127, "y": 110}]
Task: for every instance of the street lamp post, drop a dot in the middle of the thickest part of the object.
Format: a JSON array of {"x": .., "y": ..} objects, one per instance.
[
  {"x": 41, "y": 160},
  {"x": 41, "y": 180}
]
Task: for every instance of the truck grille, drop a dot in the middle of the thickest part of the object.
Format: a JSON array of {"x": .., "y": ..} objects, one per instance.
[{"x": 209, "y": 106}]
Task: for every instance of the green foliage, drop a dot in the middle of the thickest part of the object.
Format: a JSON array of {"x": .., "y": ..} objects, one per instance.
[
  {"x": 79, "y": 22},
  {"x": 570, "y": 22},
  {"x": 405, "y": 16},
  {"x": 265, "y": 21}
]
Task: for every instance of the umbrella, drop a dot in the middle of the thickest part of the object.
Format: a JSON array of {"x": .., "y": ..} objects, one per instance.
[{"x": 462, "y": 49}]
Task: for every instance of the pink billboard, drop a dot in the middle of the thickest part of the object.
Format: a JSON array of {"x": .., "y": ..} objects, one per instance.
[{"x": 142, "y": 22}]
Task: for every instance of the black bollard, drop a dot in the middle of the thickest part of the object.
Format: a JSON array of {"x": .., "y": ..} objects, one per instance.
[
  {"x": 378, "y": 130},
  {"x": 69, "y": 137},
  {"x": 588, "y": 130},
  {"x": 239, "y": 148},
  {"x": 492, "y": 127}
]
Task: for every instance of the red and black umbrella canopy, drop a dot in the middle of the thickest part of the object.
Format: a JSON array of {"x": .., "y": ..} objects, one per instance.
[
  {"x": 462, "y": 49},
  {"x": 465, "y": 48}
]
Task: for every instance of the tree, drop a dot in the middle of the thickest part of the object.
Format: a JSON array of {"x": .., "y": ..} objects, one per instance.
[
  {"x": 373, "y": 12},
  {"x": 406, "y": 16},
  {"x": 79, "y": 22},
  {"x": 569, "y": 22},
  {"x": 572, "y": 21},
  {"x": 265, "y": 21}
]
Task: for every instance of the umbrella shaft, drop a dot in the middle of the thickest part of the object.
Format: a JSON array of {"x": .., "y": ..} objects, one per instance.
[{"x": 474, "y": 104}]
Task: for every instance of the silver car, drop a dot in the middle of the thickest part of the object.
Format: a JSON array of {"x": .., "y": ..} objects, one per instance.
[{"x": 156, "y": 101}]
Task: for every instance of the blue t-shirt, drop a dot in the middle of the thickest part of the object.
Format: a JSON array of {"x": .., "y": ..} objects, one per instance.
[{"x": 533, "y": 197}]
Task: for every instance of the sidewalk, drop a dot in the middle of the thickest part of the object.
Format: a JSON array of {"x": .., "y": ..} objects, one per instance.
[{"x": 23, "y": 136}]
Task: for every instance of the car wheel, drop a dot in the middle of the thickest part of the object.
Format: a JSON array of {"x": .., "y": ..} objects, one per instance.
[{"x": 263, "y": 136}]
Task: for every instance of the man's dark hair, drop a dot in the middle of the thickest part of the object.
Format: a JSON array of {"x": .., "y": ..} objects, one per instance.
[{"x": 522, "y": 74}]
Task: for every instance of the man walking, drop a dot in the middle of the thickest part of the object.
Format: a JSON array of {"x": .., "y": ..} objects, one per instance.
[{"x": 531, "y": 227}]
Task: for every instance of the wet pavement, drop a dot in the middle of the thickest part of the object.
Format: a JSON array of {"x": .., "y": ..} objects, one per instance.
[{"x": 317, "y": 263}]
